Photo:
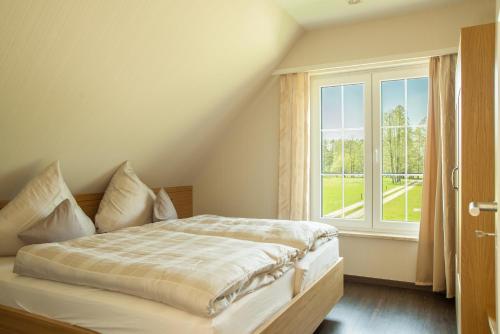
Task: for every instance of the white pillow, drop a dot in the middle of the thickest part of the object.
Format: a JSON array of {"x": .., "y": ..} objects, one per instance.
[
  {"x": 61, "y": 225},
  {"x": 164, "y": 208},
  {"x": 35, "y": 202},
  {"x": 126, "y": 202}
]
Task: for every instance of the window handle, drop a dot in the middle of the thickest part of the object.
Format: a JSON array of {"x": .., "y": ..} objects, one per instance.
[{"x": 375, "y": 155}]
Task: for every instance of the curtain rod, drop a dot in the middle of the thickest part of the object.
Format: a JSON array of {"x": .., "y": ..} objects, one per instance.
[{"x": 408, "y": 58}]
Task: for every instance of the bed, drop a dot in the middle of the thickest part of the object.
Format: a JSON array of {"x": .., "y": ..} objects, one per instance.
[{"x": 295, "y": 303}]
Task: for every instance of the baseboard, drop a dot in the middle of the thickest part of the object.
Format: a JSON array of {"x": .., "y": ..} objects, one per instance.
[{"x": 386, "y": 282}]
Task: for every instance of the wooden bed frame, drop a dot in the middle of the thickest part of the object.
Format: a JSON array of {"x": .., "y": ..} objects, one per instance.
[{"x": 302, "y": 315}]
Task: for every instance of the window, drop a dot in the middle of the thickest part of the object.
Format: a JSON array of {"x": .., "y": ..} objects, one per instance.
[{"x": 368, "y": 141}]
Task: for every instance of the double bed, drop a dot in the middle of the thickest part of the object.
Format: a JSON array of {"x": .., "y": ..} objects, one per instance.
[{"x": 296, "y": 302}]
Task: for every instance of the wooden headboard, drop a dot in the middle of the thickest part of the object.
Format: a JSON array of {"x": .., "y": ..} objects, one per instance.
[{"x": 182, "y": 197}]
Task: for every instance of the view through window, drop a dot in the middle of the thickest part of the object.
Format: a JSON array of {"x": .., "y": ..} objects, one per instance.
[
  {"x": 404, "y": 118},
  {"x": 352, "y": 186},
  {"x": 342, "y": 132}
]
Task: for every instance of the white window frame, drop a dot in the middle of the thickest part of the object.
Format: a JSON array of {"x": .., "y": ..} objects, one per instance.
[
  {"x": 377, "y": 78},
  {"x": 316, "y": 189},
  {"x": 372, "y": 78}
]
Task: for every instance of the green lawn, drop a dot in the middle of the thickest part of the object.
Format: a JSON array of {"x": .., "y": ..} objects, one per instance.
[
  {"x": 332, "y": 192},
  {"x": 354, "y": 192}
]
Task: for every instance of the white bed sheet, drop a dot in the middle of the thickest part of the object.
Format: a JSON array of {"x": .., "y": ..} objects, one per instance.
[
  {"x": 111, "y": 312},
  {"x": 315, "y": 264}
]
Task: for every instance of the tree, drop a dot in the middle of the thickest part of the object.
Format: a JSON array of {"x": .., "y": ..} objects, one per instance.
[
  {"x": 353, "y": 156},
  {"x": 394, "y": 143},
  {"x": 416, "y": 150},
  {"x": 332, "y": 155}
]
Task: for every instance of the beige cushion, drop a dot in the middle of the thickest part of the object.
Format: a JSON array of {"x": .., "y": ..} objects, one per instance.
[
  {"x": 34, "y": 203},
  {"x": 61, "y": 225},
  {"x": 163, "y": 208},
  {"x": 126, "y": 202}
]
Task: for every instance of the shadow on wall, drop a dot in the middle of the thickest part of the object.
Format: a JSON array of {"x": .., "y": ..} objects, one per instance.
[
  {"x": 21, "y": 175},
  {"x": 240, "y": 177},
  {"x": 18, "y": 178}
]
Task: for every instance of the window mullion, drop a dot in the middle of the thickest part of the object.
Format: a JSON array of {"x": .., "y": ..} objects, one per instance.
[
  {"x": 406, "y": 150},
  {"x": 342, "y": 140}
]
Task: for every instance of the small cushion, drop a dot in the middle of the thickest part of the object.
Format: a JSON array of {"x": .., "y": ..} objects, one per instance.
[
  {"x": 61, "y": 225},
  {"x": 163, "y": 208},
  {"x": 126, "y": 202},
  {"x": 35, "y": 202}
]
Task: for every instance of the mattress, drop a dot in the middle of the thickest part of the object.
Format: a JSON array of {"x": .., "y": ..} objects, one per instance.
[
  {"x": 314, "y": 264},
  {"x": 112, "y": 312}
]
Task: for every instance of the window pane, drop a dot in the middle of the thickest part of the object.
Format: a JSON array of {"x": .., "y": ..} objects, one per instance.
[
  {"x": 332, "y": 196},
  {"x": 416, "y": 150},
  {"x": 393, "y": 198},
  {"x": 331, "y": 107},
  {"x": 343, "y": 151},
  {"x": 354, "y": 197},
  {"x": 354, "y": 152},
  {"x": 393, "y": 150},
  {"x": 393, "y": 102},
  {"x": 414, "y": 198},
  {"x": 417, "y": 101},
  {"x": 331, "y": 147},
  {"x": 353, "y": 106}
]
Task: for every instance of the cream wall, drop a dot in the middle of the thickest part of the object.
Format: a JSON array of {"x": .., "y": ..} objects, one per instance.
[
  {"x": 241, "y": 176},
  {"x": 434, "y": 29},
  {"x": 93, "y": 83}
]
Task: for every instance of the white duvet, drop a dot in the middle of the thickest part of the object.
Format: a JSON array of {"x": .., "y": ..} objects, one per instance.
[
  {"x": 303, "y": 235},
  {"x": 197, "y": 273}
]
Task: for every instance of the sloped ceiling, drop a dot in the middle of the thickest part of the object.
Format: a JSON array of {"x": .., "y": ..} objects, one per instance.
[{"x": 94, "y": 83}]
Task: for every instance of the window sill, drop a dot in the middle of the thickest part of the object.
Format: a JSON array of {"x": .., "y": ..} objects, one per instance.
[{"x": 375, "y": 235}]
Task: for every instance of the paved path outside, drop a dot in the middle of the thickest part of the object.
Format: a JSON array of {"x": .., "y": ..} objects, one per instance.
[{"x": 358, "y": 206}]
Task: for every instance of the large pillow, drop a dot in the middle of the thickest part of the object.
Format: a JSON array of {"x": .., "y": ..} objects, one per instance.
[
  {"x": 61, "y": 225},
  {"x": 35, "y": 202},
  {"x": 126, "y": 202},
  {"x": 163, "y": 208}
]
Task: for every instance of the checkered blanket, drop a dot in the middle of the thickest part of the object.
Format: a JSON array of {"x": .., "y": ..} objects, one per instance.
[
  {"x": 303, "y": 235},
  {"x": 197, "y": 273}
]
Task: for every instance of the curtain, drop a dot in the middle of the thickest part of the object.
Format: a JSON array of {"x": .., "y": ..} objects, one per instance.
[
  {"x": 436, "y": 245},
  {"x": 293, "y": 192}
]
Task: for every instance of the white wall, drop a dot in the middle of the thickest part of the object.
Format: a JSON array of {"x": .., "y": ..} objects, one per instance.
[
  {"x": 415, "y": 32},
  {"x": 379, "y": 258},
  {"x": 240, "y": 178},
  {"x": 93, "y": 83}
]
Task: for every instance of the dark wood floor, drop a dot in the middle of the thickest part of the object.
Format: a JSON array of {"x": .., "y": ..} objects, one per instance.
[{"x": 378, "y": 309}]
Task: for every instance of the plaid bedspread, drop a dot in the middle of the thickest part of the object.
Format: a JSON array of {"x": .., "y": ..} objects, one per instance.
[
  {"x": 303, "y": 235},
  {"x": 197, "y": 273}
]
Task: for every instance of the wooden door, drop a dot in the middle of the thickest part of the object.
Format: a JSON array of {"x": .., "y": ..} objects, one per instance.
[
  {"x": 476, "y": 166},
  {"x": 496, "y": 323}
]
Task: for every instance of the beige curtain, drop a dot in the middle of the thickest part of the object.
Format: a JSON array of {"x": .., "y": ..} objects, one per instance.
[
  {"x": 293, "y": 193},
  {"x": 436, "y": 245}
]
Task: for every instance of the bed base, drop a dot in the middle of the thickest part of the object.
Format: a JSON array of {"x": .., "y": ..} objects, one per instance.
[
  {"x": 21, "y": 322},
  {"x": 305, "y": 312},
  {"x": 302, "y": 315}
]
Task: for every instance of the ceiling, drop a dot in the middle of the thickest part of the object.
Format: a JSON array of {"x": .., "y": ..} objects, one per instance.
[{"x": 315, "y": 13}]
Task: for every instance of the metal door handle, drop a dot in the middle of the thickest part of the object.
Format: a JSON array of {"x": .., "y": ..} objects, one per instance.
[
  {"x": 453, "y": 172},
  {"x": 475, "y": 208},
  {"x": 482, "y": 234}
]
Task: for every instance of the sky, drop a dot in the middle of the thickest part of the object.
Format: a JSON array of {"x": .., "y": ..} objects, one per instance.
[
  {"x": 393, "y": 94},
  {"x": 331, "y": 106}
]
